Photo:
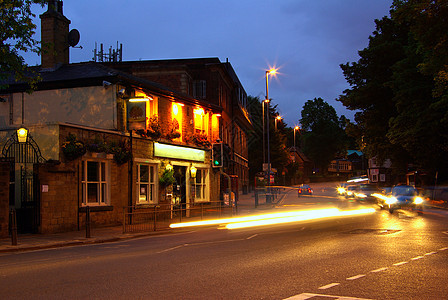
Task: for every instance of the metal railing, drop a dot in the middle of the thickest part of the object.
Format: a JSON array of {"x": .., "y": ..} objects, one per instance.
[{"x": 143, "y": 218}]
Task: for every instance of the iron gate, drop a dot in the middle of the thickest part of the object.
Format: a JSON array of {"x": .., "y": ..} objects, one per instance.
[{"x": 24, "y": 156}]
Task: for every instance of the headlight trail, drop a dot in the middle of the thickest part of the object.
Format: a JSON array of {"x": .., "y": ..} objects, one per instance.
[
  {"x": 310, "y": 215},
  {"x": 240, "y": 219},
  {"x": 274, "y": 218}
]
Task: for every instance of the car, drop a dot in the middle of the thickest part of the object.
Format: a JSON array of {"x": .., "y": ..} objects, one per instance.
[
  {"x": 342, "y": 188},
  {"x": 350, "y": 191},
  {"x": 304, "y": 189},
  {"x": 404, "y": 196},
  {"x": 366, "y": 193}
]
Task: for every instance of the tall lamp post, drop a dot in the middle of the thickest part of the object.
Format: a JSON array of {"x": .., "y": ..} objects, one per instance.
[
  {"x": 277, "y": 118},
  {"x": 267, "y": 100},
  {"x": 295, "y": 129}
]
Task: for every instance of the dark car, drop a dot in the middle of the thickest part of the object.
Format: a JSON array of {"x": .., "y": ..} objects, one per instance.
[
  {"x": 404, "y": 196},
  {"x": 304, "y": 189},
  {"x": 366, "y": 193}
]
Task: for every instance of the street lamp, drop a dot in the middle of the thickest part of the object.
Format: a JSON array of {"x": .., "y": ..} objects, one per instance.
[
  {"x": 277, "y": 118},
  {"x": 272, "y": 71},
  {"x": 297, "y": 128}
]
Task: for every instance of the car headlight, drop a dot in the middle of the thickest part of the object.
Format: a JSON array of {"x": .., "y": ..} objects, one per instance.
[
  {"x": 349, "y": 193},
  {"x": 361, "y": 195},
  {"x": 418, "y": 200},
  {"x": 341, "y": 190},
  {"x": 391, "y": 200}
]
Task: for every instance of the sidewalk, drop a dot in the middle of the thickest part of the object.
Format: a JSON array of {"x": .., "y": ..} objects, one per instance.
[{"x": 26, "y": 242}]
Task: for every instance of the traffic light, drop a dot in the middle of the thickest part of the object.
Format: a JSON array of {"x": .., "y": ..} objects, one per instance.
[{"x": 217, "y": 155}]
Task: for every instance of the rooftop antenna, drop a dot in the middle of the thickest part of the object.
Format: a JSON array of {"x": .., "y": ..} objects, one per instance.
[{"x": 114, "y": 55}]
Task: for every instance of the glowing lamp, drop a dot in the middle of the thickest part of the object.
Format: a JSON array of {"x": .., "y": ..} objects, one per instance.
[
  {"x": 199, "y": 111},
  {"x": 22, "y": 135},
  {"x": 169, "y": 167},
  {"x": 193, "y": 171}
]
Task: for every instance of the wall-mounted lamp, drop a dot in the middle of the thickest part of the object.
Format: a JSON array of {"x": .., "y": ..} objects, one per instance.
[
  {"x": 199, "y": 111},
  {"x": 141, "y": 99},
  {"x": 169, "y": 167},
  {"x": 22, "y": 135},
  {"x": 193, "y": 171}
]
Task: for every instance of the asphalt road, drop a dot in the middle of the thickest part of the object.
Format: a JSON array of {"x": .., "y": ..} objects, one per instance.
[{"x": 372, "y": 256}]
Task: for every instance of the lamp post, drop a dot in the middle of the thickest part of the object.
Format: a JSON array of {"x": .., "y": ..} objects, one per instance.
[
  {"x": 277, "y": 118},
  {"x": 295, "y": 129},
  {"x": 268, "y": 72}
]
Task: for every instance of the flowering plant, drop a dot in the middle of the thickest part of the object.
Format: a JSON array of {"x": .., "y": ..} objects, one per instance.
[
  {"x": 72, "y": 148},
  {"x": 200, "y": 140}
]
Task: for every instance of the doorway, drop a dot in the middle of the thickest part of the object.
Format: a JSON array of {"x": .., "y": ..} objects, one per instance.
[{"x": 180, "y": 187}]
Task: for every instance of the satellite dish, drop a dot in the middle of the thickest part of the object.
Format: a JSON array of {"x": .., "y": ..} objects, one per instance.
[{"x": 73, "y": 37}]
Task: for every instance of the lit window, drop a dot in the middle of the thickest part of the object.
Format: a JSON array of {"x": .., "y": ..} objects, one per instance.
[
  {"x": 200, "y": 121},
  {"x": 146, "y": 184},
  {"x": 201, "y": 186},
  {"x": 95, "y": 182}
]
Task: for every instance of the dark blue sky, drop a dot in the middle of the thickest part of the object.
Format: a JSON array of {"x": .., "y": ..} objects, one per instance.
[{"x": 306, "y": 39}]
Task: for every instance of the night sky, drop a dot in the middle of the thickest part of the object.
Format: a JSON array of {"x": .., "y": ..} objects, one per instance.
[{"x": 306, "y": 39}]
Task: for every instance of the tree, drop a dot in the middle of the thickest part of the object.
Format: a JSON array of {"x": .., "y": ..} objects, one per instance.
[
  {"x": 398, "y": 87},
  {"x": 324, "y": 136},
  {"x": 16, "y": 34}
]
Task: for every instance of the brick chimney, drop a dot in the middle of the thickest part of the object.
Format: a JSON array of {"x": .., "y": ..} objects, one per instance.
[{"x": 54, "y": 35}]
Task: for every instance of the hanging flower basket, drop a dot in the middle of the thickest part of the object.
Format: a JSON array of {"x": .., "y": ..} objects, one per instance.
[{"x": 73, "y": 148}]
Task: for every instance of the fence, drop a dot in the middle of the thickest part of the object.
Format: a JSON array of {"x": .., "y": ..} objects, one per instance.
[{"x": 145, "y": 218}]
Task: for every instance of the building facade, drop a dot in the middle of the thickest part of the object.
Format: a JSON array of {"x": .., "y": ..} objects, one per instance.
[{"x": 95, "y": 138}]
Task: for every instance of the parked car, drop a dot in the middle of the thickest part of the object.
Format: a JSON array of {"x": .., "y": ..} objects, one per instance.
[
  {"x": 404, "y": 196},
  {"x": 304, "y": 189},
  {"x": 365, "y": 193}
]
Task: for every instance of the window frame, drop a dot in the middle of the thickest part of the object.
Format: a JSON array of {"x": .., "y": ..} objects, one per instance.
[
  {"x": 151, "y": 184},
  {"x": 204, "y": 185},
  {"x": 102, "y": 183}
]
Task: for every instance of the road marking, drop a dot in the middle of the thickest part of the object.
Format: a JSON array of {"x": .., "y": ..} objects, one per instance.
[
  {"x": 443, "y": 249},
  {"x": 417, "y": 257},
  {"x": 252, "y": 236},
  {"x": 379, "y": 270},
  {"x": 172, "y": 248},
  {"x": 431, "y": 253},
  {"x": 401, "y": 263},
  {"x": 329, "y": 286},
  {"x": 305, "y": 296},
  {"x": 356, "y": 277}
]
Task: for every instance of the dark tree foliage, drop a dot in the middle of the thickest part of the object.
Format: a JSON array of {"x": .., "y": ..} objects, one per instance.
[
  {"x": 323, "y": 133},
  {"x": 16, "y": 34},
  {"x": 399, "y": 87}
]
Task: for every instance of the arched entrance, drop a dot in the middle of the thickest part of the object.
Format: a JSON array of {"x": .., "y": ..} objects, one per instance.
[{"x": 24, "y": 156}]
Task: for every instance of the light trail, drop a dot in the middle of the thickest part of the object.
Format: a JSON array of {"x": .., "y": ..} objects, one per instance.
[
  {"x": 275, "y": 218},
  {"x": 310, "y": 215}
]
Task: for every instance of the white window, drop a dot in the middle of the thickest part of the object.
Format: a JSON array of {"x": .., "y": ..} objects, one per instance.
[
  {"x": 201, "y": 186},
  {"x": 95, "y": 182},
  {"x": 146, "y": 183}
]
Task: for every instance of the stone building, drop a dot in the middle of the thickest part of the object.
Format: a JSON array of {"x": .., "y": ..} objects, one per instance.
[{"x": 95, "y": 138}]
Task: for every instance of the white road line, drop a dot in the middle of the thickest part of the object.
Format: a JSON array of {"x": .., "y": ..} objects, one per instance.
[
  {"x": 443, "y": 249},
  {"x": 401, "y": 263},
  {"x": 378, "y": 270},
  {"x": 329, "y": 286},
  {"x": 252, "y": 236},
  {"x": 172, "y": 248},
  {"x": 305, "y": 296},
  {"x": 355, "y": 277},
  {"x": 431, "y": 253},
  {"x": 417, "y": 257}
]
